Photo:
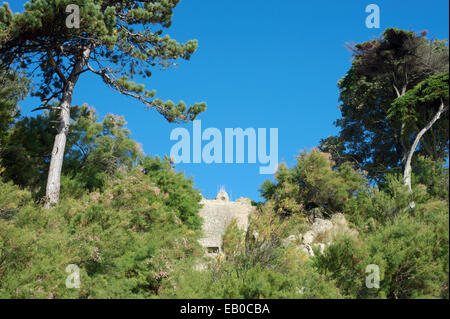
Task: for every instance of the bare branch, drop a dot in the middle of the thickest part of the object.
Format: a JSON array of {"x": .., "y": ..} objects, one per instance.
[
  {"x": 111, "y": 82},
  {"x": 46, "y": 108}
]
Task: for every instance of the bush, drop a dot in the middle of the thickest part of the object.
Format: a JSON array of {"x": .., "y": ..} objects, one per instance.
[
  {"x": 378, "y": 206},
  {"x": 313, "y": 182},
  {"x": 411, "y": 251},
  {"x": 12, "y": 200},
  {"x": 127, "y": 240},
  {"x": 432, "y": 175}
]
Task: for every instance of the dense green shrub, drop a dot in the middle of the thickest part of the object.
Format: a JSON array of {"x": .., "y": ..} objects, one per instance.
[
  {"x": 412, "y": 253},
  {"x": 313, "y": 182},
  {"x": 179, "y": 190},
  {"x": 433, "y": 175},
  {"x": 127, "y": 240},
  {"x": 136, "y": 237},
  {"x": 12, "y": 199},
  {"x": 379, "y": 205}
]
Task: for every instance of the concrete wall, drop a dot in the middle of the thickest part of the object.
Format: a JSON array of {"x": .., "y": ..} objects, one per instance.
[{"x": 217, "y": 214}]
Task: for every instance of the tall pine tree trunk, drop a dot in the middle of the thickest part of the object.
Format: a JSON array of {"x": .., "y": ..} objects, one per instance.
[
  {"x": 59, "y": 145},
  {"x": 57, "y": 158}
]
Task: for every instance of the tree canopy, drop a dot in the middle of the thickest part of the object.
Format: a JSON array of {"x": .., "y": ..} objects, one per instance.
[
  {"x": 13, "y": 88},
  {"x": 116, "y": 40},
  {"x": 384, "y": 70},
  {"x": 124, "y": 39}
]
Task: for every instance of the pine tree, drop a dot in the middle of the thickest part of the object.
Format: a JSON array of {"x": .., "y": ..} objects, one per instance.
[{"x": 115, "y": 39}]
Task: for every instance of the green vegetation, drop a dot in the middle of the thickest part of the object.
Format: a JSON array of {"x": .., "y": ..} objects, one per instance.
[
  {"x": 116, "y": 40},
  {"x": 130, "y": 222},
  {"x": 126, "y": 239},
  {"x": 256, "y": 264},
  {"x": 383, "y": 72}
]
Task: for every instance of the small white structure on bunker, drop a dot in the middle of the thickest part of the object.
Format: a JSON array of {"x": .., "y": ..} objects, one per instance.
[{"x": 217, "y": 214}]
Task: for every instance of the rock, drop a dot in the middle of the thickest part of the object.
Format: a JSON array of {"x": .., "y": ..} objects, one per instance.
[
  {"x": 308, "y": 237},
  {"x": 321, "y": 225},
  {"x": 328, "y": 230}
]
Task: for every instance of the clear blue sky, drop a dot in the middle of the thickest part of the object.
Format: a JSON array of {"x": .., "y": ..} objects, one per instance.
[{"x": 260, "y": 64}]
